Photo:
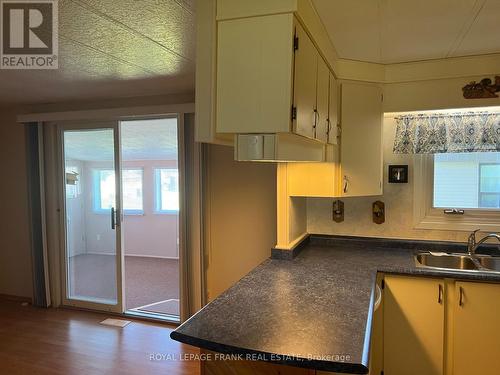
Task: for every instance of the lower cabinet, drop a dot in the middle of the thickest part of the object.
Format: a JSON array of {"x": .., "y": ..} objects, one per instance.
[
  {"x": 413, "y": 326},
  {"x": 437, "y": 326},
  {"x": 476, "y": 329}
]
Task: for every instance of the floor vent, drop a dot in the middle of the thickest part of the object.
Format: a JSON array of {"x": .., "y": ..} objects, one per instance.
[{"x": 116, "y": 322}]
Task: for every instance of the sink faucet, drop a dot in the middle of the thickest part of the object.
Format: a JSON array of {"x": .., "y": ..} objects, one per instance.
[{"x": 472, "y": 244}]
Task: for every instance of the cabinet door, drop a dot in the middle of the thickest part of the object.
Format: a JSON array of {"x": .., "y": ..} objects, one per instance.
[
  {"x": 361, "y": 147},
  {"x": 322, "y": 101},
  {"x": 333, "y": 111},
  {"x": 312, "y": 180},
  {"x": 254, "y": 74},
  {"x": 413, "y": 326},
  {"x": 306, "y": 63},
  {"x": 476, "y": 332}
]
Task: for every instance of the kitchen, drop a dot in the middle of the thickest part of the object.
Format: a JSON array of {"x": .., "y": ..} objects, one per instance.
[
  {"x": 374, "y": 270},
  {"x": 330, "y": 171}
]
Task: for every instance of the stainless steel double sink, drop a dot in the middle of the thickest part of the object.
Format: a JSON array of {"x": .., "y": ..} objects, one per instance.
[{"x": 458, "y": 262}]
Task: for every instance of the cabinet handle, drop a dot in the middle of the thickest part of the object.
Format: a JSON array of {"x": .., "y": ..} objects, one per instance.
[
  {"x": 460, "y": 296},
  {"x": 314, "y": 118},
  {"x": 346, "y": 184},
  {"x": 440, "y": 294}
]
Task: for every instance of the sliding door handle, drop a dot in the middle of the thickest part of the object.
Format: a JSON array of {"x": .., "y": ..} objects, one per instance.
[{"x": 113, "y": 218}]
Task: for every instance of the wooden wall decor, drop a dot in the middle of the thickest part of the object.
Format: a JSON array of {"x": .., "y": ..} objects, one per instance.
[
  {"x": 338, "y": 211},
  {"x": 378, "y": 212},
  {"x": 483, "y": 89}
]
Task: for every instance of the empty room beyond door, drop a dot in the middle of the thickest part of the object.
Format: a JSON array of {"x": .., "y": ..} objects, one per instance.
[{"x": 150, "y": 190}]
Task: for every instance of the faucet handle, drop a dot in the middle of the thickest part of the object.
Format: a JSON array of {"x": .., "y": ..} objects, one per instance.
[{"x": 472, "y": 237}]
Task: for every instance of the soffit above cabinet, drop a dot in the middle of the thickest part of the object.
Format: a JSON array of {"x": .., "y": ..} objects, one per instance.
[{"x": 395, "y": 31}]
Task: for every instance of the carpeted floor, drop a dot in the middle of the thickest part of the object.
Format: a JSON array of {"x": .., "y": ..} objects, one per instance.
[{"x": 147, "y": 280}]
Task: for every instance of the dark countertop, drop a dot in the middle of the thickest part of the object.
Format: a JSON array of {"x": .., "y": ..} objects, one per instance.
[{"x": 313, "y": 311}]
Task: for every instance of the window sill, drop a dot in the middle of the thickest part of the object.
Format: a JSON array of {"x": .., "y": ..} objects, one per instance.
[
  {"x": 466, "y": 222},
  {"x": 173, "y": 212}
]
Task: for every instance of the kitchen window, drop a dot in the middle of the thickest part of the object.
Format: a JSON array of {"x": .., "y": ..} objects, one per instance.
[
  {"x": 456, "y": 167},
  {"x": 166, "y": 190},
  {"x": 104, "y": 190},
  {"x": 467, "y": 180}
]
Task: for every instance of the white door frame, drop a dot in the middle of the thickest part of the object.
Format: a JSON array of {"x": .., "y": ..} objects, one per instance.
[{"x": 90, "y": 125}]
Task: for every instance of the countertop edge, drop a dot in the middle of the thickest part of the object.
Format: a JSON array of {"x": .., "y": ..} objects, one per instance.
[{"x": 282, "y": 359}]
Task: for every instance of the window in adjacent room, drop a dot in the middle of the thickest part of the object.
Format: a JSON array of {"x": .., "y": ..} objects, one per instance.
[
  {"x": 104, "y": 190},
  {"x": 166, "y": 190}
]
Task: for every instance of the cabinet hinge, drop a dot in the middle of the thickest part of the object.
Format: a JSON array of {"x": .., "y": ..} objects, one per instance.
[
  {"x": 382, "y": 285},
  {"x": 294, "y": 113},
  {"x": 295, "y": 43}
]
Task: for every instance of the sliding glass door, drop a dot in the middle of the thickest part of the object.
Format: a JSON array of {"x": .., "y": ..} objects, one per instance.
[{"x": 91, "y": 215}]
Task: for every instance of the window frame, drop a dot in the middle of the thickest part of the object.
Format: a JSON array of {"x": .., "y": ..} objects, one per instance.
[
  {"x": 425, "y": 216},
  {"x": 96, "y": 192},
  {"x": 133, "y": 211},
  {"x": 480, "y": 193},
  {"x": 157, "y": 192}
]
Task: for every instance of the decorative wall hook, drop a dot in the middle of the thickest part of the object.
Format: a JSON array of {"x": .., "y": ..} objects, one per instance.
[
  {"x": 338, "y": 211},
  {"x": 483, "y": 89},
  {"x": 378, "y": 212}
]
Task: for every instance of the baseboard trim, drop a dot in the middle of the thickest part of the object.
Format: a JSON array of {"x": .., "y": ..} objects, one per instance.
[
  {"x": 288, "y": 254},
  {"x": 12, "y": 298}
]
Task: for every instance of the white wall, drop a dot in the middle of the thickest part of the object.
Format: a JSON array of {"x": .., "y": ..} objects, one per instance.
[{"x": 149, "y": 234}]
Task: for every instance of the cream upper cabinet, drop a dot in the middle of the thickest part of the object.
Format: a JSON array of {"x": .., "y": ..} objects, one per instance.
[
  {"x": 333, "y": 110},
  {"x": 361, "y": 147},
  {"x": 476, "y": 332},
  {"x": 413, "y": 326},
  {"x": 322, "y": 101},
  {"x": 254, "y": 74},
  {"x": 305, "y": 76}
]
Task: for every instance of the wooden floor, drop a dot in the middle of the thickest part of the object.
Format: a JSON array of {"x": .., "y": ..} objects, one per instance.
[{"x": 58, "y": 341}]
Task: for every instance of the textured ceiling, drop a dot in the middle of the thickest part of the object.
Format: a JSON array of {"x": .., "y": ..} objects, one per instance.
[
  {"x": 393, "y": 31},
  {"x": 140, "y": 140},
  {"x": 113, "y": 49}
]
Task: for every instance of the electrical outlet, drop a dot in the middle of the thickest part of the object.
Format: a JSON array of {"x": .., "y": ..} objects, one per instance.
[{"x": 98, "y": 236}]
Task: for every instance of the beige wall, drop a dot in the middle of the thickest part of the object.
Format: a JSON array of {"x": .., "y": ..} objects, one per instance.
[
  {"x": 242, "y": 217},
  {"x": 15, "y": 257}
]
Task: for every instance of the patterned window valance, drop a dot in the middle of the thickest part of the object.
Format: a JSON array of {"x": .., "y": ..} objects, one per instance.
[{"x": 447, "y": 133}]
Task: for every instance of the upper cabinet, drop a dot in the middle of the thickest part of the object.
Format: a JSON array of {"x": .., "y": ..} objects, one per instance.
[
  {"x": 354, "y": 166},
  {"x": 254, "y": 74},
  {"x": 262, "y": 81},
  {"x": 305, "y": 84},
  {"x": 361, "y": 147},
  {"x": 259, "y": 72}
]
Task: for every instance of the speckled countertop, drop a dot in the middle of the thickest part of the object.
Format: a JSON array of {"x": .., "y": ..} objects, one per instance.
[{"x": 314, "y": 311}]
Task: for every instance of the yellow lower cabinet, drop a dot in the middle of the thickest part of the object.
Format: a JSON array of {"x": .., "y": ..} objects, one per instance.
[
  {"x": 413, "y": 326},
  {"x": 476, "y": 329}
]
